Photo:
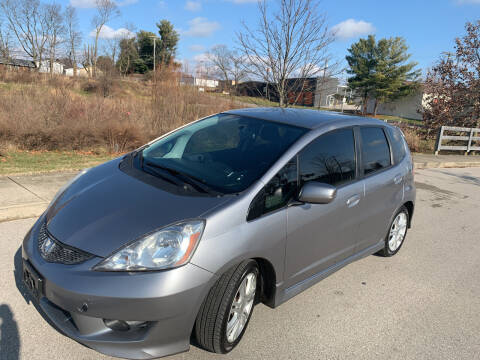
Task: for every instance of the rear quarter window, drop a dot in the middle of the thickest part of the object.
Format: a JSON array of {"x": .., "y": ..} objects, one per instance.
[
  {"x": 375, "y": 150},
  {"x": 398, "y": 144}
]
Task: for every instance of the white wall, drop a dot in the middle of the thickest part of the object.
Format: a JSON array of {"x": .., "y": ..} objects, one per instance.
[
  {"x": 206, "y": 82},
  {"x": 45, "y": 67},
  {"x": 407, "y": 107}
]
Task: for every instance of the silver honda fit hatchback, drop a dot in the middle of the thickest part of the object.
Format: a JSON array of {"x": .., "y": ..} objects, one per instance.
[{"x": 185, "y": 235}]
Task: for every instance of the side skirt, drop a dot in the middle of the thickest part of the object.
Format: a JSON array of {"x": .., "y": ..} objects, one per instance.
[{"x": 284, "y": 295}]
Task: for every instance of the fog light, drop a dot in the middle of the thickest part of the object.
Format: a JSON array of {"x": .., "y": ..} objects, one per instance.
[
  {"x": 121, "y": 325},
  {"x": 117, "y": 325}
]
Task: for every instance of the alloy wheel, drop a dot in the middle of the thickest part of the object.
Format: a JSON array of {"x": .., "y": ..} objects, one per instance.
[
  {"x": 397, "y": 232},
  {"x": 241, "y": 307}
]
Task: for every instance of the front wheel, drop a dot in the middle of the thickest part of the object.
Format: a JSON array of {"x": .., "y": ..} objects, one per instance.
[
  {"x": 396, "y": 233},
  {"x": 225, "y": 313}
]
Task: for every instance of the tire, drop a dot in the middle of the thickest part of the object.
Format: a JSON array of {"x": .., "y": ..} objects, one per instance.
[
  {"x": 215, "y": 312},
  {"x": 393, "y": 247}
]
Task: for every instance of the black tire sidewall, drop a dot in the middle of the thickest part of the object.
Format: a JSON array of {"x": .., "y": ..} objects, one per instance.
[{"x": 225, "y": 344}]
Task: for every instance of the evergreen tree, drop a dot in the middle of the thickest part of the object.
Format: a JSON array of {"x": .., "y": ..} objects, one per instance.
[
  {"x": 381, "y": 70},
  {"x": 145, "y": 48},
  {"x": 167, "y": 45},
  {"x": 128, "y": 56},
  {"x": 393, "y": 77},
  {"x": 362, "y": 62}
]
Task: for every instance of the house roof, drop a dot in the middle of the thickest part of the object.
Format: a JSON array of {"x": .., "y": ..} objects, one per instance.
[
  {"x": 17, "y": 62},
  {"x": 306, "y": 118}
]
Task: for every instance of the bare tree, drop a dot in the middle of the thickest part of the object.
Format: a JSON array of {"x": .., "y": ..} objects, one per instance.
[
  {"x": 113, "y": 45},
  {"x": 26, "y": 20},
  {"x": 106, "y": 11},
  {"x": 5, "y": 41},
  {"x": 74, "y": 37},
  {"x": 87, "y": 60},
  {"x": 287, "y": 46},
  {"x": 56, "y": 31},
  {"x": 220, "y": 57},
  {"x": 229, "y": 65},
  {"x": 238, "y": 70}
]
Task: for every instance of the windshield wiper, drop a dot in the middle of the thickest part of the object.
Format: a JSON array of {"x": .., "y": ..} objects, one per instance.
[
  {"x": 197, "y": 184},
  {"x": 163, "y": 174}
]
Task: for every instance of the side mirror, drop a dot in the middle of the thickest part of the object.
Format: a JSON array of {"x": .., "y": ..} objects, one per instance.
[{"x": 317, "y": 193}]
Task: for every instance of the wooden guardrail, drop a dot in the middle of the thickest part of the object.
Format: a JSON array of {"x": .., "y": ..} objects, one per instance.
[{"x": 470, "y": 138}]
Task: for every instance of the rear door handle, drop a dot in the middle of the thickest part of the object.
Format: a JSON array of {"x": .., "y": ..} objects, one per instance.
[
  {"x": 397, "y": 179},
  {"x": 353, "y": 201}
]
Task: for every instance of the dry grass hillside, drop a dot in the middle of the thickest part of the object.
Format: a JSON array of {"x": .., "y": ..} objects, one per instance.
[{"x": 38, "y": 112}]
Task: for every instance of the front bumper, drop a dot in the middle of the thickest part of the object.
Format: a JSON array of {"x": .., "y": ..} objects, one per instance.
[{"x": 77, "y": 299}]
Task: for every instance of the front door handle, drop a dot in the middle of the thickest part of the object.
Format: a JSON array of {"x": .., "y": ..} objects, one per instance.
[
  {"x": 353, "y": 201},
  {"x": 397, "y": 179}
]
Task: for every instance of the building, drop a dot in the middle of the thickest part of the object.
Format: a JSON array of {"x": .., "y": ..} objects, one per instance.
[
  {"x": 206, "y": 82},
  {"x": 81, "y": 72},
  {"x": 203, "y": 83},
  {"x": 44, "y": 67},
  {"x": 16, "y": 64},
  {"x": 409, "y": 107},
  {"x": 254, "y": 89},
  {"x": 315, "y": 92}
]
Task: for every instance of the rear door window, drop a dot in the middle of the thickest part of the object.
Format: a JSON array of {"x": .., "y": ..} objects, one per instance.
[
  {"x": 330, "y": 159},
  {"x": 398, "y": 144},
  {"x": 375, "y": 150}
]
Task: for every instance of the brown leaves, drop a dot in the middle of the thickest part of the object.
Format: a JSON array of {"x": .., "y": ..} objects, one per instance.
[{"x": 453, "y": 85}]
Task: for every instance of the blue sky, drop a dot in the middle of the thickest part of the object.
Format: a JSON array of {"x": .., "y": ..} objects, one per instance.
[{"x": 428, "y": 26}]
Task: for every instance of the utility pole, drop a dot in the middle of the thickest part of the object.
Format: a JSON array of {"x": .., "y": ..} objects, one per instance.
[{"x": 154, "y": 52}]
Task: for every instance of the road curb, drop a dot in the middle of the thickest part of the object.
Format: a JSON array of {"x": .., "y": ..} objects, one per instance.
[
  {"x": 452, "y": 164},
  {"x": 23, "y": 211}
]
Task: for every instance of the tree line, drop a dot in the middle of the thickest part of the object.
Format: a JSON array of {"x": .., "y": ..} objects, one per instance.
[{"x": 46, "y": 32}]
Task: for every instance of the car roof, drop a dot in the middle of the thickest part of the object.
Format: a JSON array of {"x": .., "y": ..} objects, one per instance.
[{"x": 306, "y": 118}]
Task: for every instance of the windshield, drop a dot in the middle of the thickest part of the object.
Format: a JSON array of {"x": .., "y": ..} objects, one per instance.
[{"x": 225, "y": 152}]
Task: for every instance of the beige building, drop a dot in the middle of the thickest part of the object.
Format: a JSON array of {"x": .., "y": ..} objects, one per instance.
[{"x": 410, "y": 107}]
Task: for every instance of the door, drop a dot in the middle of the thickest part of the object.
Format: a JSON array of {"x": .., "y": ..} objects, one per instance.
[
  {"x": 383, "y": 182},
  {"x": 320, "y": 235}
]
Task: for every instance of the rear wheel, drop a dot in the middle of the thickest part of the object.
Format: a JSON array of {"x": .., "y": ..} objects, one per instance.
[
  {"x": 225, "y": 313},
  {"x": 396, "y": 233}
]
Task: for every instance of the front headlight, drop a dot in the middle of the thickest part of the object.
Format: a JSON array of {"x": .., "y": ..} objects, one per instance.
[{"x": 167, "y": 248}]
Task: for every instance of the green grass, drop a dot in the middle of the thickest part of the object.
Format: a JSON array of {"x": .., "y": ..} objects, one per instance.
[{"x": 19, "y": 162}]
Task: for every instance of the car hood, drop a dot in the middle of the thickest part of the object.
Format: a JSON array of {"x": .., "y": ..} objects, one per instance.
[{"x": 106, "y": 209}]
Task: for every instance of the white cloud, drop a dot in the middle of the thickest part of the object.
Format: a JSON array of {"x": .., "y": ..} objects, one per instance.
[
  {"x": 352, "y": 28},
  {"x": 108, "y": 33},
  {"x": 193, "y": 5},
  {"x": 201, "y": 27},
  {"x": 201, "y": 58},
  {"x": 197, "y": 48},
  {"x": 85, "y": 4}
]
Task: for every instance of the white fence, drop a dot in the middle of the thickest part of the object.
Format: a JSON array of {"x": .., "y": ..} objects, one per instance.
[{"x": 468, "y": 137}]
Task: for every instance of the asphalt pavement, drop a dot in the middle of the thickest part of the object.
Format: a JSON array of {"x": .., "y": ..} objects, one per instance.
[{"x": 424, "y": 303}]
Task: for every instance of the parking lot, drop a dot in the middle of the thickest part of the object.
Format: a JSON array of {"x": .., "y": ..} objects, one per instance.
[{"x": 423, "y": 303}]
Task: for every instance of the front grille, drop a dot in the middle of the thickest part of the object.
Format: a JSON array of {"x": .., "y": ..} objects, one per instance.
[{"x": 54, "y": 251}]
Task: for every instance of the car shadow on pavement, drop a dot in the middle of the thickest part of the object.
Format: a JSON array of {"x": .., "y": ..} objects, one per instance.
[{"x": 9, "y": 336}]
